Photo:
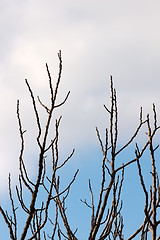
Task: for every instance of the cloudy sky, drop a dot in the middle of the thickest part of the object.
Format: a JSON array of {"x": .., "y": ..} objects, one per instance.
[{"x": 97, "y": 38}]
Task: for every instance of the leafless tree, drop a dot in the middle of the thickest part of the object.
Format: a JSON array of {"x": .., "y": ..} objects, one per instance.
[
  {"x": 106, "y": 212},
  {"x": 152, "y": 196},
  {"x": 107, "y": 220},
  {"x": 38, "y": 214}
]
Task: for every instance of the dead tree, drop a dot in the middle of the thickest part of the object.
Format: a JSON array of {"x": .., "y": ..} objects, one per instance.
[
  {"x": 106, "y": 214},
  {"x": 106, "y": 218},
  {"x": 37, "y": 212},
  {"x": 152, "y": 195}
]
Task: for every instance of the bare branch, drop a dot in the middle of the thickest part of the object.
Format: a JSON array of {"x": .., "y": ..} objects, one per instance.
[{"x": 36, "y": 113}]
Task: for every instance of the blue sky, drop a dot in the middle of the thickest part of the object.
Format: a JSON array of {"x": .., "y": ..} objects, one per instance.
[{"x": 97, "y": 38}]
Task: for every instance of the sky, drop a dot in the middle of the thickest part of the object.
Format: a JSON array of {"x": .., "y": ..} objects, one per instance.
[{"x": 97, "y": 38}]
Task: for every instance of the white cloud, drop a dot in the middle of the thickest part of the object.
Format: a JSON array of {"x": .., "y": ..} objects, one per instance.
[{"x": 97, "y": 39}]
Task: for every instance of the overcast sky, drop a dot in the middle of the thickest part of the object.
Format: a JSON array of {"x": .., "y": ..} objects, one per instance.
[{"x": 98, "y": 38}]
